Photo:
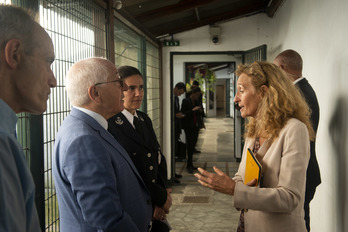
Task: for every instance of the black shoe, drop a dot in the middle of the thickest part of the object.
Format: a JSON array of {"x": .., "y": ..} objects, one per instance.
[
  {"x": 196, "y": 151},
  {"x": 178, "y": 175},
  {"x": 176, "y": 181}
]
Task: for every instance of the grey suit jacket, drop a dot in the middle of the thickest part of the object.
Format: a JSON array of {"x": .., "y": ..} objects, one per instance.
[
  {"x": 98, "y": 187},
  {"x": 278, "y": 204}
]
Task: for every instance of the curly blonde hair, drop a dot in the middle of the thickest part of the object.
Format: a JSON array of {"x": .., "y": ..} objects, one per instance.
[{"x": 281, "y": 102}]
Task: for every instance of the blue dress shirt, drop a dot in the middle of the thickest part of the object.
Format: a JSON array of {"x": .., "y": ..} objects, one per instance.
[{"x": 17, "y": 189}]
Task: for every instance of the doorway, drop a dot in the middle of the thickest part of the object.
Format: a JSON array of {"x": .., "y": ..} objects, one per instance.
[
  {"x": 220, "y": 98},
  {"x": 214, "y": 79},
  {"x": 178, "y": 73}
]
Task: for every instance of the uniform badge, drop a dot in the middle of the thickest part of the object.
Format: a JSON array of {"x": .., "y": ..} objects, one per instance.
[
  {"x": 140, "y": 118},
  {"x": 119, "y": 121}
]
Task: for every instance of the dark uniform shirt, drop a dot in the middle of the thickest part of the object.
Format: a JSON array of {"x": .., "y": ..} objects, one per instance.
[{"x": 144, "y": 151}]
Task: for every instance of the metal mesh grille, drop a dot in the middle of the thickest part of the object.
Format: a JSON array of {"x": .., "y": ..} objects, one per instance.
[
  {"x": 128, "y": 47},
  {"x": 153, "y": 87},
  {"x": 132, "y": 49},
  {"x": 78, "y": 31},
  {"x": 23, "y": 134}
]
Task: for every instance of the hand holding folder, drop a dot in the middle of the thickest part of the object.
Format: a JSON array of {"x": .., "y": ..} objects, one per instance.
[{"x": 253, "y": 168}]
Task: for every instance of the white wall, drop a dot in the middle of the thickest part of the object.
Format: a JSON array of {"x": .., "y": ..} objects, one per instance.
[{"x": 317, "y": 29}]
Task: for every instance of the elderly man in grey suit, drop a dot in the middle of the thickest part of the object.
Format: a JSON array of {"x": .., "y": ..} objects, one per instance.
[{"x": 98, "y": 186}]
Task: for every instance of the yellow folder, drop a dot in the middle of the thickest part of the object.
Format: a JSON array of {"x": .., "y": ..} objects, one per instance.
[{"x": 253, "y": 168}]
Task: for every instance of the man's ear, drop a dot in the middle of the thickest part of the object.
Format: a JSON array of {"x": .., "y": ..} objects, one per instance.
[
  {"x": 93, "y": 94},
  {"x": 13, "y": 53}
]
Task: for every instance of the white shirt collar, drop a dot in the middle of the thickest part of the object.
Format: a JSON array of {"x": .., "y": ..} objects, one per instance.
[
  {"x": 129, "y": 116},
  {"x": 100, "y": 119},
  {"x": 298, "y": 80}
]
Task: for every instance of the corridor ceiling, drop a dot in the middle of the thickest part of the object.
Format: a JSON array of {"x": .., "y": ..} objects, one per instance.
[{"x": 160, "y": 18}]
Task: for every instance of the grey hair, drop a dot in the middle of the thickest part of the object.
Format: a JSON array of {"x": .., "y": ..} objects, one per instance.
[
  {"x": 17, "y": 23},
  {"x": 81, "y": 76}
]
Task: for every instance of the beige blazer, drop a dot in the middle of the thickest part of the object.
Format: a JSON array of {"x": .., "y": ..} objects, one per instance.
[{"x": 276, "y": 206}]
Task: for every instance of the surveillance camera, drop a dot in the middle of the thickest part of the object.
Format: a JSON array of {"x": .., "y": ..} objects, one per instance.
[
  {"x": 215, "y": 32},
  {"x": 215, "y": 39},
  {"x": 117, "y": 5}
]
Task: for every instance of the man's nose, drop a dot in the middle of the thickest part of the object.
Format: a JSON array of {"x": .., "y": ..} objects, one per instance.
[{"x": 52, "y": 81}]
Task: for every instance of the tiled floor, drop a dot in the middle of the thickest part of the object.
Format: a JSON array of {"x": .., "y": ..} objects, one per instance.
[{"x": 196, "y": 208}]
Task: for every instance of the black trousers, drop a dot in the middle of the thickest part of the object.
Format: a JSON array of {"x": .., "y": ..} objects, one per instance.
[
  {"x": 176, "y": 138},
  {"x": 191, "y": 135},
  {"x": 308, "y": 197}
]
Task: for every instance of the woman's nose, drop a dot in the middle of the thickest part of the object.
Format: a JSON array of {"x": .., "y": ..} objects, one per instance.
[{"x": 236, "y": 98}]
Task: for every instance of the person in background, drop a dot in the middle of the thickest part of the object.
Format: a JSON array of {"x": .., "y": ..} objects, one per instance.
[
  {"x": 26, "y": 79},
  {"x": 133, "y": 129},
  {"x": 291, "y": 62},
  {"x": 190, "y": 124},
  {"x": 98, "y": 187},
  {"x": 179, "y": 89},
  {"x": 278, "y": 132},
  {"x": 200, "y": 114}
]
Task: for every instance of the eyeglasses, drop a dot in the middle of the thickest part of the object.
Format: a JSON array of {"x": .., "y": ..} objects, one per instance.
[{"x": 106, "y": 82}]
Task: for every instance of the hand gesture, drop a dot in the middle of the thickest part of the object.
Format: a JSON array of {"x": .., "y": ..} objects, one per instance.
[{"x": 219, "y": 182}]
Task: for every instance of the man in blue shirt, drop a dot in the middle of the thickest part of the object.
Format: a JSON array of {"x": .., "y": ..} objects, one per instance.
[{"x": 26, "y": 78}]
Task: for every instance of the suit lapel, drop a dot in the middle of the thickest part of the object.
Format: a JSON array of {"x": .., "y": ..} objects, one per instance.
[{"x": 104, "y": 134}]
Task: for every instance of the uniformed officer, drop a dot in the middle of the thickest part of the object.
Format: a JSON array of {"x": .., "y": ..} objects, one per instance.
[{"x": 134, "y": 131}]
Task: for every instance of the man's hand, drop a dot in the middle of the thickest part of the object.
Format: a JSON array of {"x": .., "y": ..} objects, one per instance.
[
  {"x": 179, "y": 115},
  {"x": 168, "y": 203},
  {"x": 219, "y": 182},
  {"x": 196, "y": 108}
]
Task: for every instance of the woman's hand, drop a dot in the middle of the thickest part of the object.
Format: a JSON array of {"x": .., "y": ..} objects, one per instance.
[
  {"x": 168, "y": 203},
  {"x": 252, "y": 183},
  {"x": 159, "y": 213},
  {"x": 219, "y": 182}
]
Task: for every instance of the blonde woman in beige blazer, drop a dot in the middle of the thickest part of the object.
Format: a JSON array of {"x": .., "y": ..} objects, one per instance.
[{"x": 278, "y": 130}]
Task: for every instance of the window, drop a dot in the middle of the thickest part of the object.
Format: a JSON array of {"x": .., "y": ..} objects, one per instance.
[{"x": 78, "y": 31}]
